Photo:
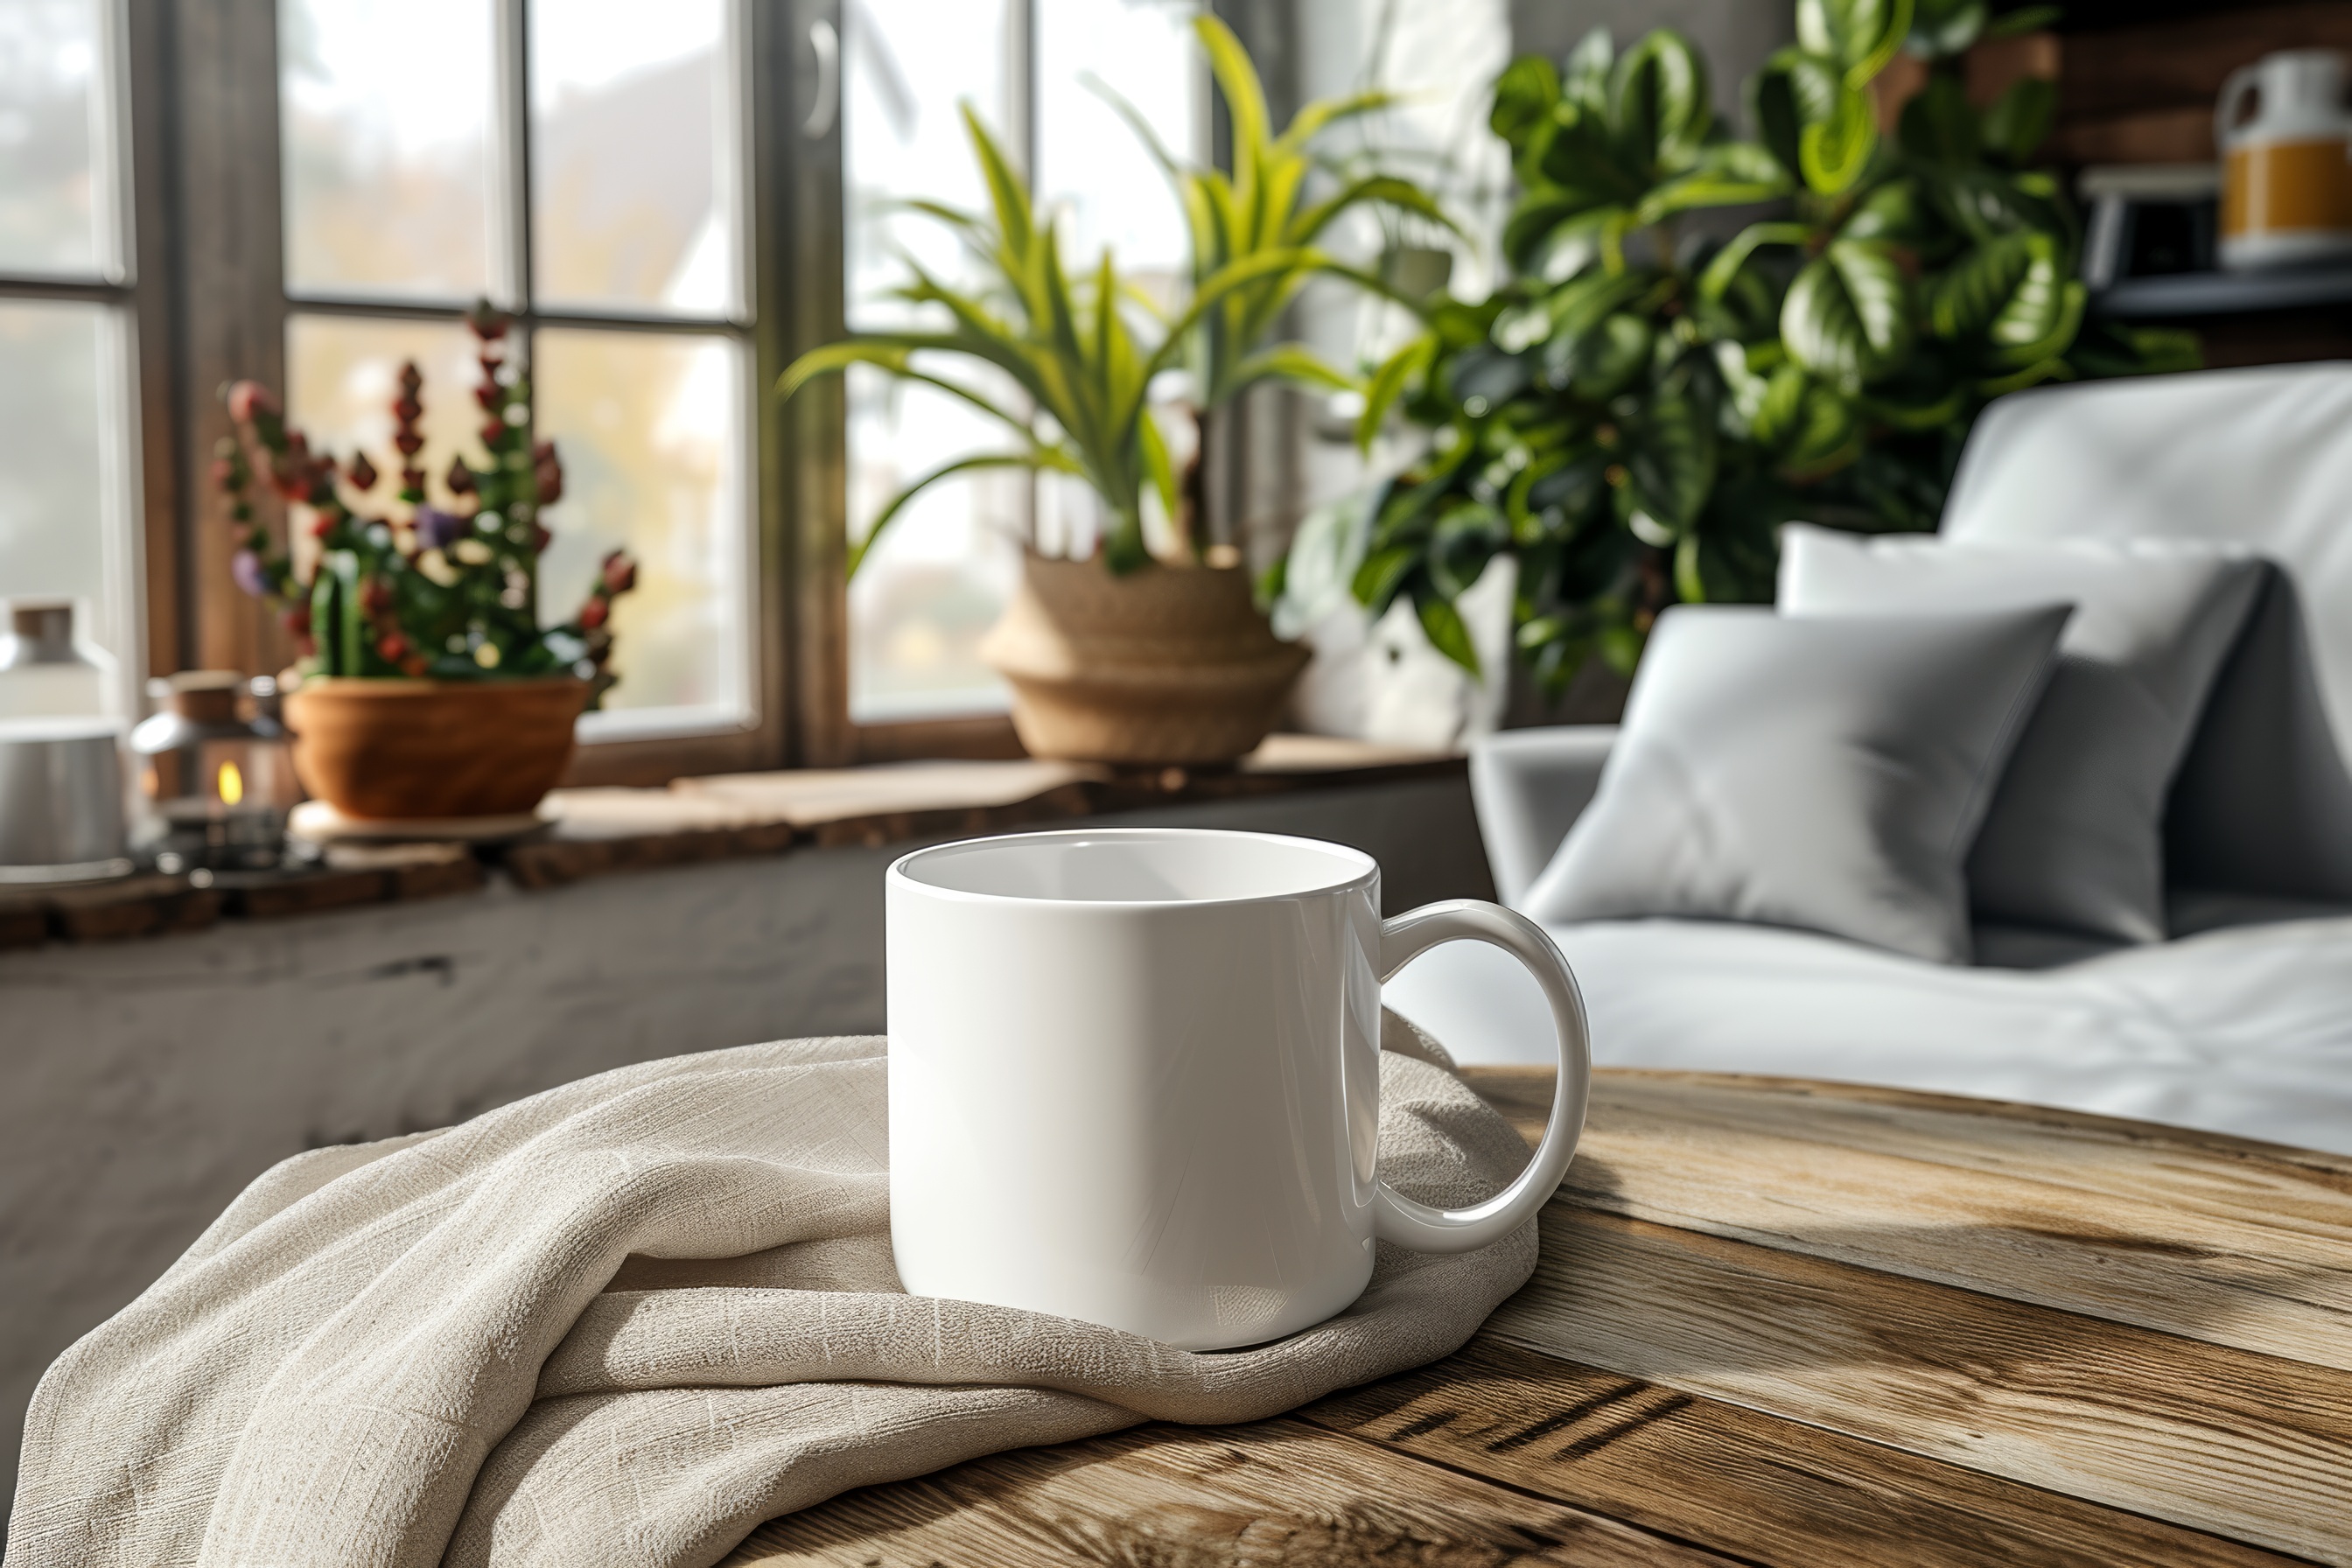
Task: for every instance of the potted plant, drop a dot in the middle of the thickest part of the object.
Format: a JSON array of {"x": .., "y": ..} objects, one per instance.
[
  {"x": 428, "y": 686},
  {"x": 1636, "y": 411},
  {"x": 1136, "y": 657}
]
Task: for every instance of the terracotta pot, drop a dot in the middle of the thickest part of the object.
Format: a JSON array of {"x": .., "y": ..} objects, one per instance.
[
  {"x": 401, "y": 749},
  {"x": 1169, "y": 664}
]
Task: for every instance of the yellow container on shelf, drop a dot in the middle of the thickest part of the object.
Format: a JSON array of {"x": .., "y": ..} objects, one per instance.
[{"x": 2286, "y": 186}]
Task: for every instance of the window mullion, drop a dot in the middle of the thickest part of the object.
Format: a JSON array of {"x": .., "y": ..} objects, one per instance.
[{"x": 511, "y": 158}]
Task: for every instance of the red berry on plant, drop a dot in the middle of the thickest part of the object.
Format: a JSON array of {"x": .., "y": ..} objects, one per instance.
[
  {"x": 620, "y": 572},
  {"x": 361, "y": 472},
  {"x": 409, "y": 443},
  {"x": 592, "y": 613},
  {"x": 493, "y": 430},
  {"x": 392, "y": 646},
  {"x": 296, "y": 619},
  {"x": 459, "y": 479},
  {"x": 410, "y": 378},
  {"x": 248, "y": 398}
]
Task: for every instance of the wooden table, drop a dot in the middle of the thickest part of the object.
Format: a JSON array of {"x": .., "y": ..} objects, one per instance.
[{"x": 1778, "y": 1323}]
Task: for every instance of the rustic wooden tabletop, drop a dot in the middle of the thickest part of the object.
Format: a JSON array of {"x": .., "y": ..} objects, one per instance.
[{"x": 1777, "y": 1322}]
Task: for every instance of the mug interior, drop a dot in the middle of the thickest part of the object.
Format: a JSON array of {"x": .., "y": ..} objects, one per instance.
[{"x": 1139, "y": 864}]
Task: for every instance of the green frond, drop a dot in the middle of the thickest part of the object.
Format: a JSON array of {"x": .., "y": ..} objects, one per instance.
[{"x": 863, "y": 547}]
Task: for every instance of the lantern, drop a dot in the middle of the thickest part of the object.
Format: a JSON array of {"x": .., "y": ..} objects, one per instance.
[{"x": 221, "y": 780}]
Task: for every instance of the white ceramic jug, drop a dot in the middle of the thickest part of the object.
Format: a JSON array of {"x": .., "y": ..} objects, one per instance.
[{"x": 2286, "y": 188}]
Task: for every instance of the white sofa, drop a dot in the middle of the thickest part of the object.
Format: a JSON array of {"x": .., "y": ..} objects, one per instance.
[{"x": 2242, "y": 1023}]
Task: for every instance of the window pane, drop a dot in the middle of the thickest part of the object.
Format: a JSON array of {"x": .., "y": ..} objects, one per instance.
[
  {"x": 630, "y": 183},
  {"x": 650, "y": 429},
  {"x": 59, "y": 464},
  {"x": 943, "y": 572},
  {"x": 1089, "y": 160},
  {"x": 53, "y": 193},
  {"x": 386, "y": 112}
]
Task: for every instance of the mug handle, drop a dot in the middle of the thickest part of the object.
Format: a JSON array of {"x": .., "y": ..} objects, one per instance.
[{"x": 1397, "y": 1219}]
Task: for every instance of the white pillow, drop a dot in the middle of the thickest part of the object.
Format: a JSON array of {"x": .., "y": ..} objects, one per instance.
[
  {"x": 1827, "y": 772},
  {"x": 2074, "y": 840}
]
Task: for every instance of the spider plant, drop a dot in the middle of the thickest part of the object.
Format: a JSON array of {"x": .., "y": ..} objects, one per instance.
[
  {"x": 1267, "y": 207},
  {"x": 1072, "y": 350}
]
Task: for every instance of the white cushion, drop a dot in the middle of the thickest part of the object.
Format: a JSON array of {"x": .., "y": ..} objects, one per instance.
[
  {"x": 2075, "y": 837},
  {"x": 2260, "y": 456},
  {"x": 1823, "y": 772},
  {"x": 2246, "y": 1030}
]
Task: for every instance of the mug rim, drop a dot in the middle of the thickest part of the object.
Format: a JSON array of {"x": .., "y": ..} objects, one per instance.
[{"x": 1366, "y": 871}]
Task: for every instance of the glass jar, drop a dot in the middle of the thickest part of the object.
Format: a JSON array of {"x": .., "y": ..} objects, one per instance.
[{"x": 220, "y": 779}]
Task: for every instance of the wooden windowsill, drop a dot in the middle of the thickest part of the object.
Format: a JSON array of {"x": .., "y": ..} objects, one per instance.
[{"x": 602, "y": 831}]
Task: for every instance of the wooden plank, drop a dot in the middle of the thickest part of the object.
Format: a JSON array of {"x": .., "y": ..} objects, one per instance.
[
  {"x": 2223, "y": 1240},
  {"x": 135, "y": 906},
  {"x": 2248, "y": 1447},
  {"x": 1755, "y": 1486},
  {"x": 1278, "y": 1491}
]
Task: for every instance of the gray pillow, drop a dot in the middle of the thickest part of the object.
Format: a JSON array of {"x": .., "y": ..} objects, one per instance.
[
  {"x": 2074, "y": 840},
  {"x": 1827, "y": 772}
]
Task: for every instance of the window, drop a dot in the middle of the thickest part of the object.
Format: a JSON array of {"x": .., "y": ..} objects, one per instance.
[
  {"x": 581, "y": 163},
  {"x": 672, "y": 199},
  {"x": 67, "y": 448},
  {"x": 1034, "y": 70}
]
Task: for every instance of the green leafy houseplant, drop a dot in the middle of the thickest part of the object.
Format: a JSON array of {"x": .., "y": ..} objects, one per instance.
[
  {"x": 1635, "y": 412},
  {"x": 1083, "y": 353}
]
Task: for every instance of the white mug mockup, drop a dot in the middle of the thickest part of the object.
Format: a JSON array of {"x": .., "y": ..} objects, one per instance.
[{"x": 1135, "y": 1078}]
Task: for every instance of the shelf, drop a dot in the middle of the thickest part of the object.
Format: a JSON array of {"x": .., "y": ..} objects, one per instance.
[{"x": 2224, "y": 293}]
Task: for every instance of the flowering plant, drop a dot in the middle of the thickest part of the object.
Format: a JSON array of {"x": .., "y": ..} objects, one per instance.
[{"x": 444, "y": 591}]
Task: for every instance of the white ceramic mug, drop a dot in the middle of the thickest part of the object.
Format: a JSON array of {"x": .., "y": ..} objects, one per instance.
[{"x": 1135, "y": 1081}]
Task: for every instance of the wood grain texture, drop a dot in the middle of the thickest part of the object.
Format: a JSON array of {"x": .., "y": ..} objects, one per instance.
[
  {"x": 2225, "y": 1240},
  {"x": 2223, "y": 1441},
  {"x": 1793, "y": 1324},
  {"x": 1278, "y": 1491},
  {"x": 1753, "y": 1486}
]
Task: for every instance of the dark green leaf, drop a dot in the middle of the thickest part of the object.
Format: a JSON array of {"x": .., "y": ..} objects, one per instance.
[
  {"x": 1466, "y": 539},
  {"x": 1524, "y": 95},
  {"x": 1896, "y": 212},
  {"x": 1381, "y": 575},
  {"x": 1833, "y": 152},
  {"x": 1826, "y": 433},
  {"x": 1772, "y": 108},
  {"x": 1483, "y": 378},
  {"x": 1659, "y": 102},
  {"x": 1670, "y": 458},
  {"x": 1941, "y": 28},
  {"x": 1446, "y": 632},
  {"x": 1608, "y": 358},
  {"x": 2021, "y": 117},
  {"x": 1780, "y": 411},
  {"x": 1862, "y": 36},
  {"x": 2007, "y": 288},
  {"x": 1847, "y": 316},
  {"x": 1939, "y": 125}
]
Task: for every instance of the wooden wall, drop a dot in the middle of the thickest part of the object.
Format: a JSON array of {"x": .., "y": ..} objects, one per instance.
[{"x": 2139, "y": 90}]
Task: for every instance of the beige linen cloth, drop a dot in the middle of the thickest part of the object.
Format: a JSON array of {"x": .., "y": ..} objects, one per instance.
[{"x": 625, "y": 1320}]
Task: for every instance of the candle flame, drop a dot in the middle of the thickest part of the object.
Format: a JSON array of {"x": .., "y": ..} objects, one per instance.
[{"x": 232, "y": 785}]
